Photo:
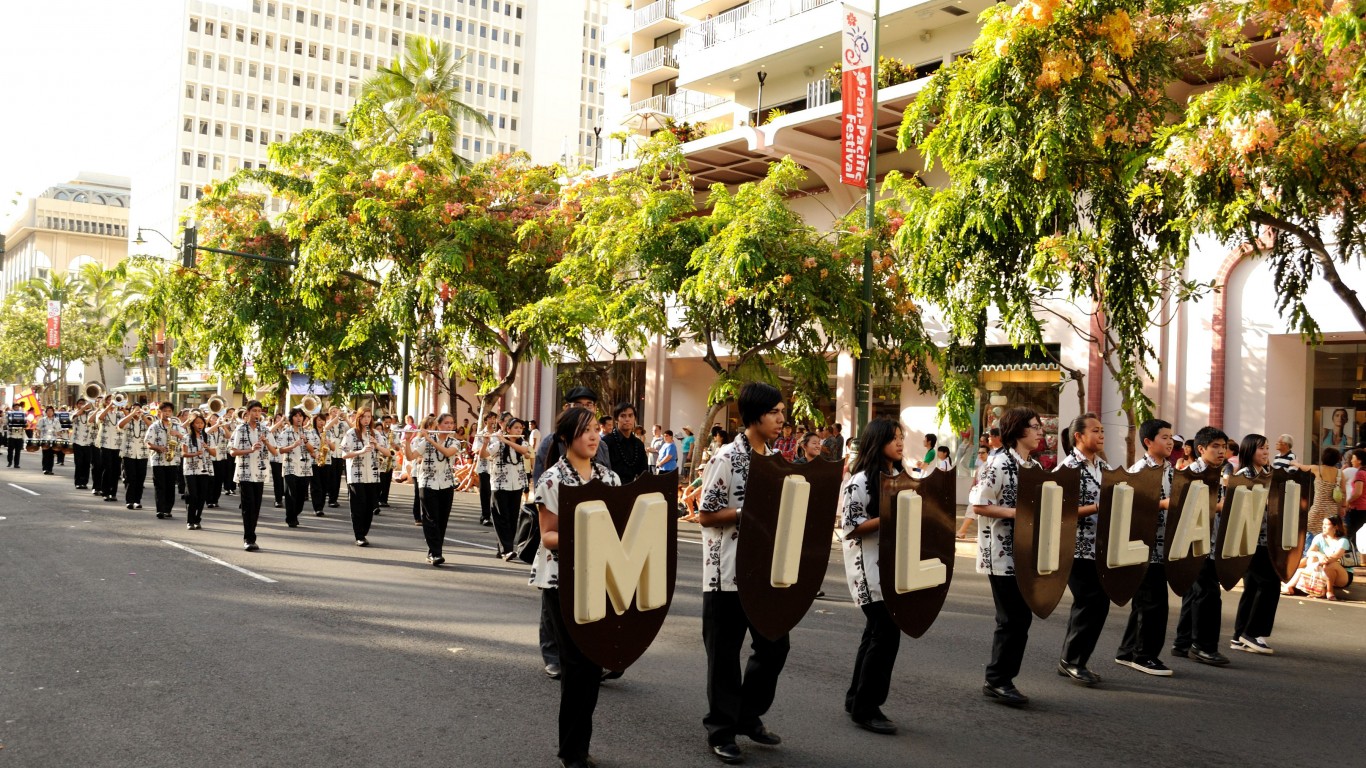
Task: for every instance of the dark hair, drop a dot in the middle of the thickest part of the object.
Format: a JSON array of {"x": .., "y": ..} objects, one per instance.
[
  {"x": 296, "y": 411},
  {"x": 839, "y": 427},
  {"x": 756, "y": 399},
  {"x": 1337, "y": 526},
  {"x": 876, "y": 436},
  {"x": 604, "y": 419},
  {"x": 574, "y": 421},
  {"x": 621, "y": 408},
  {"x": 994, "y": 432},
  {"x": 942, "y": 450},
  {"x": 1361, "y": 456},
  {"x": 508, "y": 456},
  {"x": 1014, "y": 422},
  {"x": 254, "y": 404},
  {"x": 669, "y": 432},
  {"x": 1331, "y": 456},
  {"x": 1078, "y": 425},
  {"x": 1248, "y": 449},
  {"x": 1149, "y": 430},
  {"x": 932, "y": 439},
  {"x": 1207, "y": 435}
]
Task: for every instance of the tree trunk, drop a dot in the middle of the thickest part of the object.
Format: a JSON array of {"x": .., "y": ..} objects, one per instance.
[
  {"x": 1344, "y": 292},
  {"x": 704, "y": 429}
]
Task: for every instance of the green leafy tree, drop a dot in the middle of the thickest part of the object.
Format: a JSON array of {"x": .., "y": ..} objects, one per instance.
[
  {"x": 99, "y": 292},
  {"x": 24, "y": 352}
]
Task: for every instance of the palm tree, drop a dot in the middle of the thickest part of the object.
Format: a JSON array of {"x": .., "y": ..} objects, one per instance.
[
  {"x": 140, "y": 280},
  {"x": 36, "y": 293},
  {"x": 100, "y": 290},
  {"x": 427, "y": 79}
]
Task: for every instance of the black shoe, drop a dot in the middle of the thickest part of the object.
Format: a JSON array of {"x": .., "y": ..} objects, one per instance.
[
  {"x": 137, "y": 505},
  {"x": 1079, "y": 673},
  {"x": 585, "y": 763},
  {"x": 486, "y": 521},
  {"x": 1212, "y": 658},
  {"x": 111, "y": 498},
  {"x": 333, "y": 504},
  {"x": 1146, "y": 666},
  {"x": 438, "y": 560},
  {"x": 1182, "y": 652},
  {"x": 1008, "y": 695},
  {"x": 729, "y": 753},
  {"x": 376, "y": 512},
  {"x": 762, "y": 735},
  {"x": 552, "y": 671},
  {"x": 81, "y": 487},
  {"x": 130, "y": 506},
  {"x": 612, "y": 674},
  {"x": 319, "y": 513},
  {"x": 294, "y": 524},
  {"x": 362, "y": 543},
  {"x": 877, "y": 724},
  {"x": 189, "y": 526},
  {"x": 383, "y": 504},
  {"x": 278, "y": 505},
  {"x": 250, "y": 546}
]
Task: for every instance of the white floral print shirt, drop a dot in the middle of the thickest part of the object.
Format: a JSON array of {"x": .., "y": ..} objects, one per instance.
[
  {"x": 159, "y": 435},
  {"x": 545, "y": 571},
  {"x": 363, "y": 468},
  {"x": 433, "y": 468},
  {"x": 135, "y": 440},
  {"x": 1090, "y": 494},
  {"x": 251, "y": 467},
  {"x": 297, "y": 462},
  {"x": 998, "y": 487},
  {"x": 82, "y": 430},
  {"x": 201, "y": 464},
  {"x": 860, "y": 552},
  {"x": 723, "y": 487},
  {"x": 108, "y": 436},
  {"x": 1159, "y": 548},
  {"x": 507, "y": 469}
]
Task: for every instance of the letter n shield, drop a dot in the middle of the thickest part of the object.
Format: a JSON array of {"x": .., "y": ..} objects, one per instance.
[
  {"x": 1043, "y": 590},
  {"x": 617, "y": 563},
  {"x": 1231, "y": 569}
]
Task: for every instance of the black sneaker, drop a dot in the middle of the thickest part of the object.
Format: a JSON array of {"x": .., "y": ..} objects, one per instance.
[
  {"x": 1212, "y": 658},
  {"x": 1182, "y": 652},
  {"x": 250, "y": 546},
  {"x": 1146, "y": 666}
]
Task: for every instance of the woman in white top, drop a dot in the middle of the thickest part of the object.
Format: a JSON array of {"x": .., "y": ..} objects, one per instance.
[
  {"x": 570, "y": 462},
  {"x": 881, "y": 448},
  {"x": 433, "y": 454},
  {"x": 993, "y": 499},
  {"x": 506, "y": 453},
  {"x": 361, "y": 448},
  {"x": 198, "y": 458}
]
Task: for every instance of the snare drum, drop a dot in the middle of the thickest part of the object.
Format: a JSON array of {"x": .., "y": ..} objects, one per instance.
[
  {"x": 33, "y": 445},
  {"x": 62, "y": 446}
]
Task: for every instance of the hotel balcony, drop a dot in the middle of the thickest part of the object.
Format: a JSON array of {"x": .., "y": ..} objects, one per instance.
[
  {"x": 654, "y": 66},
  {"x": 657, "y": 19},
  {"x": 680, "y": 106}
]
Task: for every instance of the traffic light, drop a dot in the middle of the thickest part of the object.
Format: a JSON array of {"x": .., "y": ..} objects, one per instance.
[{"x": 187, "y": 248}]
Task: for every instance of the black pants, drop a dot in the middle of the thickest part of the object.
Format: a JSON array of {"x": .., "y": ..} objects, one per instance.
[
  {"x": 1201, "y": 612},
  {"x": 200, "y": 489},
  {"x": 216, "y": 481},
  {"x": 163, "y": 482},
  {"x": 334, "y": 480},
  {"x": 417, "y": 504},
  {"x": 180, "y": 480},
  {"x": 134, "y": 480},
  {"x": 110, "y": 464},
  {"x": 550, "y": 652},
  {"x": 506, "y": 506},
  {"x": 363, "y": 497},
  {"x": 223, "y": 472},
  {"x": 1013, "y": 619},
  {"x": 873, "y": 664},
  {"x": 13, "y": 450},
  {"x": 277, "y": 482},
  {"x": 81, "y": 454},
  {"x": 485, "y": 497},
  {"x": 436, "y": 513},
  {"x": 1355, "y": 519},
  {"x": 735, "y": 704},
  {"x": 296, "y": 493},
  {"x": 579, "y": 683},
  {"x": 1256, "y": 615},
  {"x": 250, "y": 501},
  {"x": 1090, "y": 606},
  {"x": 385, "y": 478},
  {"x": 1147, "y": 627},
  {"x": 317, "y": 487},
  {"x": 49, "y": 457}
]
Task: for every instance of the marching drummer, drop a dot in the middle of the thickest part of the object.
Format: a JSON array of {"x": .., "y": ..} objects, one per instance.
[{"x": 48, "y": 428}]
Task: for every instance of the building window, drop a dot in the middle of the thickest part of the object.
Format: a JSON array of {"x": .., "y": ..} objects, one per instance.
[
  {"x": 234, "y": 132},
  {"x": 223, "y": 31},
  {"x": 189, "y": 125},
  {"x": 515, "y": 95},
  {"x": 516, "y": 68},
  {"x": 337, "y": 87},
  {"x": 208, "y": 27},
  {"x": 519, "y": 41},
  {"x": 270, "y": 9},
  {"x": 204, "y": 93},
  {"x": 251, "y": 70},
  {"x": 192, "y": 58},
  {"x": 202, "y": 160},
  {"x": 266, "y": 74},
  {"x": 295, "y": 79},
  {"x": 208, "y": 60},
  {"x": 194, "y": 25},
  {"x": 184, "y": 191},
  {"x": 313, "y": 20},
  {"x": 184, "y": 158},
  {"x": 241, "y": 35},
  {"x": 327, "y": 54},
  {"x": 312, "y": 82},
  {"x": 369, "y": 32},
  {"x": 299, "y": 16},
  {"x": 298, "y": 47},
  {"x": 217, "y": 163},
  {"x": 255, "y": 38},
  {"x": 220, "y": 97},
  {"x": 308, "y": 113},
  {"x": 237, "y": 67},
  {"x": 222, "y": 64},
  {"x": 312, "y": 51},
  {"x": 249, "y": 135},
  {"x": 218, "y": 130},
  {"x": 327, "y": 22},
  {"x": 189, "y": 90},
  {"x": 483, "y": 31},
  {"x": 514, "y": 124}
]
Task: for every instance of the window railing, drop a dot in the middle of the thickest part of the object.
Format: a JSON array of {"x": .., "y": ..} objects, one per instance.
[
  {"x": 741, "y": 21},
  {"x": 653, "y": 59},
  {"x": 663, "y": 9},
  {"x": 680, "y": 104},
  {"x": 819, "y": 92}
]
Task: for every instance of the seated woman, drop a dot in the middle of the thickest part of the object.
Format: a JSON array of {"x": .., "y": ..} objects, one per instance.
[{"x": 1321, "y": 570}]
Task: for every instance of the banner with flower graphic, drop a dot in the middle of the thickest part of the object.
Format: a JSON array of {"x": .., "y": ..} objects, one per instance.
[
  {"x": 54, "y": 324},
  {"x": 859, "y": 95}
]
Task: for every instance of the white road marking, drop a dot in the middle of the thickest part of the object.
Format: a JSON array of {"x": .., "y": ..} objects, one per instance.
[
  {"x": 223, "y": 563},
  {"x": 25, "y": 490},
  {"x": 470, "y": 543}
]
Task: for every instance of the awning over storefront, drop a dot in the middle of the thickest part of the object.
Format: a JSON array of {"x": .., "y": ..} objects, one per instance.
[{"x": 301, "y": 384}]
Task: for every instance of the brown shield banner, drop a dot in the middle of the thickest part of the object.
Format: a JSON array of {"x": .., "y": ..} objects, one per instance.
[
  {"x": 916, "y": 610},
  {"x": 1285, "y": 487},
  {"x": 618, "y": 639},
  {"x": 1184, "y": 570},
  {"x": 1144, "y": 492},
  {"x": 1042, "y": 591},
  {"x": 773, "y": 610},
  {"x": 1231, "y": 569}
]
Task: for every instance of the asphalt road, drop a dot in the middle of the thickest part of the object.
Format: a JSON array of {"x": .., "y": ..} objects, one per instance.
[{"x": 119, "y": 648}]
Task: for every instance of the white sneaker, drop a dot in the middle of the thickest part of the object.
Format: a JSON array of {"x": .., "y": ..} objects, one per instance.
[{"x": 1253, "y": 645}]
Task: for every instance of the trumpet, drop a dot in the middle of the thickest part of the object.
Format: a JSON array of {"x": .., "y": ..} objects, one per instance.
[
  {"x": 216, "y": 405},
  {"x": 120, "y": 400},
  {"x": 92, "y": 390}
]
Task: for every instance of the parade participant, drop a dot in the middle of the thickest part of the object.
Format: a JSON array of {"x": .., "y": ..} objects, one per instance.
[
  {"x": 860, "y": 526},
  {"x": 482, "y": 468},
  {"x": 225, "y": 466},
  {"x": 625, "y": 449},
  {"x": 736, "y": 703},
  {"x": 1146, "y": 629},
  {"x": 336, "y": 430},
  {"x": 82, "y": 442},
  {"x": 993, "y": 499},
  {"x": 386, "y": 463},
  {"x": 109, "y": 438},
  {"x": 133, "y": 428},
  {"x": 164, "y": 439},
  {"x": 48, "y": 428},
  {"x": 249, "y": 448},
  {"x": 198, "y": 459},
  {"x": 297, "y": 465},
  {"x": 809, "y": 449},
  {"x": 1090, "y": 604},
  {"x": 277, "y": 461},
  {"x": 1197, "y": 626},
  {"x": 15, "y": 436},
  {"x": 508, "y": 477},
  {"x": 214, "y": 452},
  {"x": 321, "y": 452},
  {"x": 1256, "y": 615},
  {"x": 433, "y": 455},
  {"x": 361, "y": 448},
  {"x": 573, "y": 447},
  {"x": 428, "y": 424}
]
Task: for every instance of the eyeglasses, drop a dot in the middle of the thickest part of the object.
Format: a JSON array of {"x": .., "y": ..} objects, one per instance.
[{"x": 1036, "y": 427}]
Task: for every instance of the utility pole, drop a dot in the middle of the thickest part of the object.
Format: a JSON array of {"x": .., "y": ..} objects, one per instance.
[{"x": 863, "y": 388}]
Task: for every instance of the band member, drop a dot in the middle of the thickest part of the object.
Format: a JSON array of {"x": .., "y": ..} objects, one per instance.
[
  {"x": 322, "y": 462},
  {"x": 880, "y": 453},
  {"x": 482, "y": 467},
  {"x": 1197, "y": 627},
  {"x": 292, "y": 441},
  {"x": 165, "y": 440},
  {"x": 135, "y": 454},
  {"x": 336, "y": 430},
  {"x": 14, "y": 446},
  {"x": 277, "y": 472},
  {"x": 1256, "y": 615},
  {"x": 1090, "y": 604},
  {"x": 575, "y": 443},
  {"x": 736, "y": 703},
  {"x": 1147, "y": 626},
  {"x": 415, "y": 470},
  {"x": 82, "y": 442},
  {"x": 433, "y": 455},
  {"x": 993, "y": 500},
  {"x": 48, "y": 428},
  {"x": 361, "y": 448},
  {"x": 249, "y": 448},
  {"x": 226, "y": 466},
  {"x": 216, "y": 449},
  {"x": 506, "y": 456},
  {"x": 109, "y": 438},
  {"x": 629, "y": 459},
  {"x": 198, "y": 452},
  {"x": 386, "y": 464}
]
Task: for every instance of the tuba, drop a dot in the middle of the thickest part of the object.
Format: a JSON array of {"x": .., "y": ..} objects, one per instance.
[
  {"x": 311, "y": 405},
  {"x": 92, "y": 390}
]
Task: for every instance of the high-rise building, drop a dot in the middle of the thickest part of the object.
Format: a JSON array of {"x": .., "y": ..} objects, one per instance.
[
  {"x": 83, "y": 221},
  {"x": 242, "y": 74}
]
